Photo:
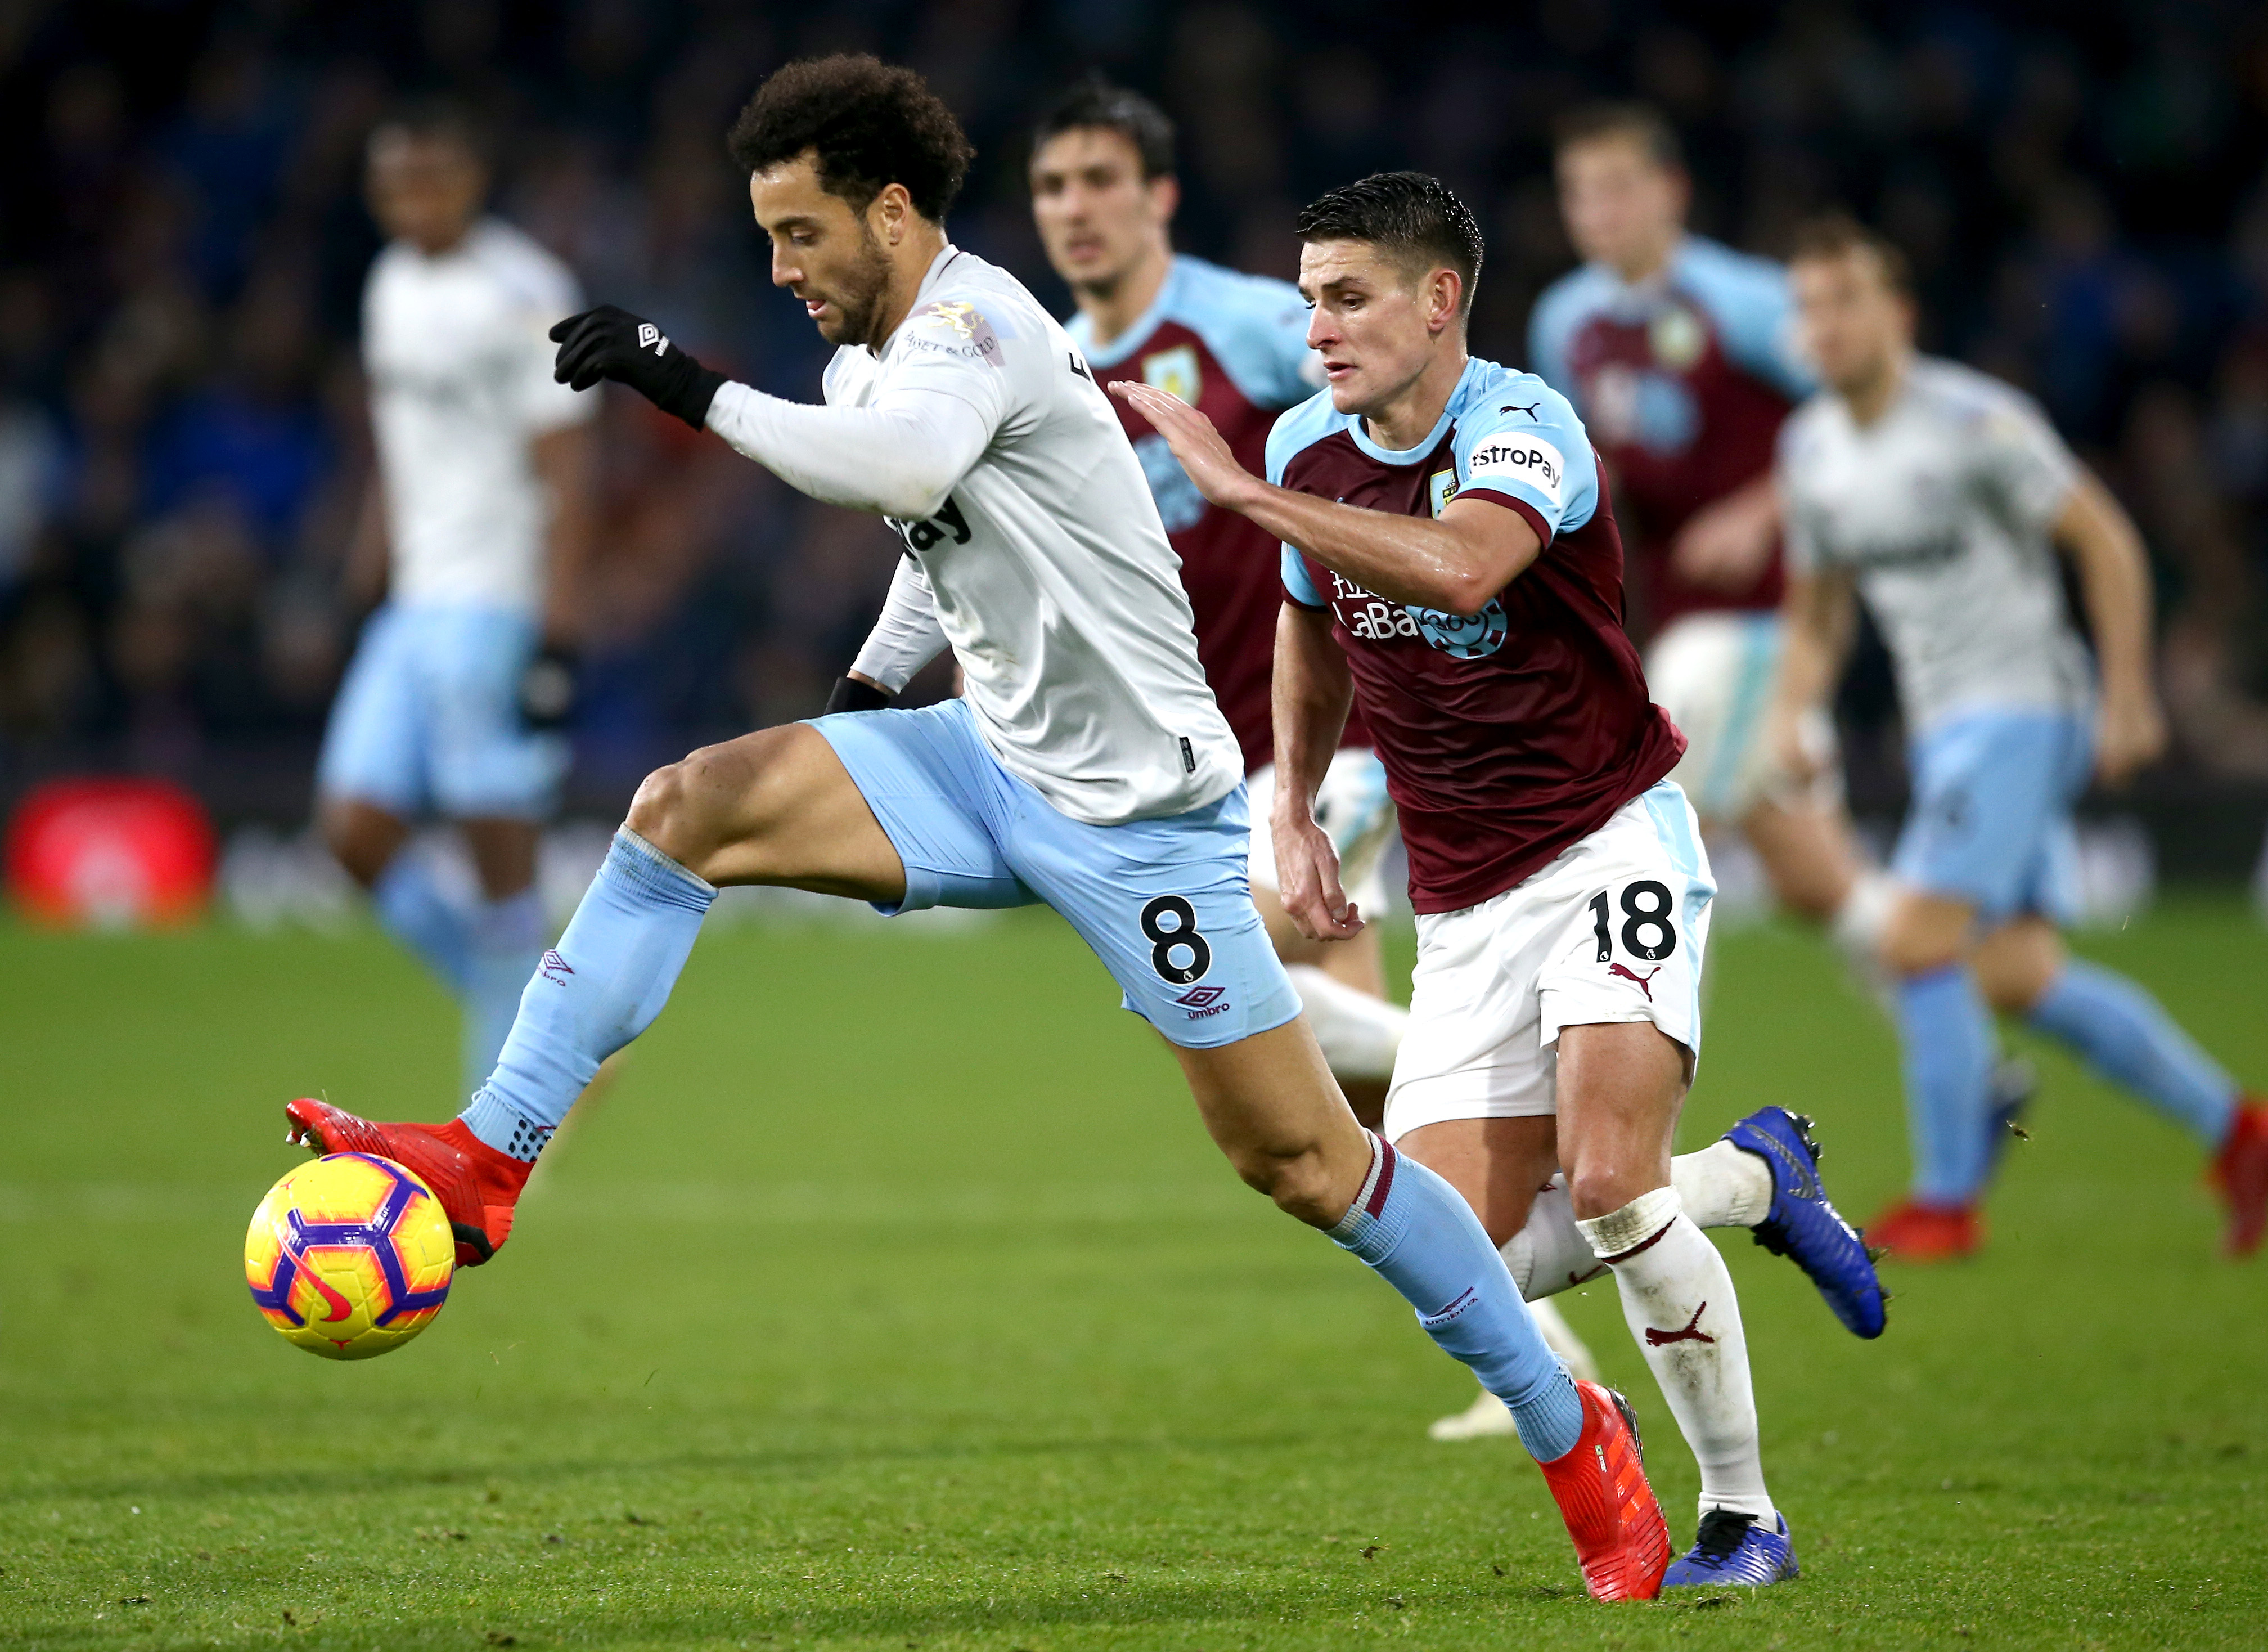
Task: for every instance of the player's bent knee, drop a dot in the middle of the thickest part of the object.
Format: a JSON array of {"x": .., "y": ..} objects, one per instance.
[
  {"x": 1300, "y": 1183},
  {"x": 676, "y": 809},
  {"x": 1600, "y": 1189}
]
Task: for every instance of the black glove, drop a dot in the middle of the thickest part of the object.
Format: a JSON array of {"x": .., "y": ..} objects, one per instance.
[
  {"x": 609, "y": 342},
  {"x": 851, "y": 695},
  {"x": 547, "y": 688}
]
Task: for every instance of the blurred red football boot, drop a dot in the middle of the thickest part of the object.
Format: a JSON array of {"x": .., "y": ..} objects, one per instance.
[
  {"x": 477, "y": 1185},
  {"x": 1621, "y": 1541},
  {"x": 1911, "y": 1231},
  {"x": 2239, "y": 1173}
]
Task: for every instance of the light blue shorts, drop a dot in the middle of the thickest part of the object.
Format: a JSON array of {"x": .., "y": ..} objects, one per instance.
[
  {"x": 1164, "y": 903},
  {"x": 429, "y": 717},
  {"x": 1990, "y": 819}
]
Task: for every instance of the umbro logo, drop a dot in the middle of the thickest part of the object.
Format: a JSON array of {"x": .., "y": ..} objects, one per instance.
[
  {"x": 649, "y": 338},
  {"x": 554, "y": 968}
]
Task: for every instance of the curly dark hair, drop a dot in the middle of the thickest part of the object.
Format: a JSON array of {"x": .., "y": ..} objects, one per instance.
[
  {"x": 870, "y": 123},
  {"x": 1412, "y": 217}
]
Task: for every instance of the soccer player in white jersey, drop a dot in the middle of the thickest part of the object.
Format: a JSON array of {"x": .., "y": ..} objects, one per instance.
[
  {"x": 1087, "y": 765},
  {"x": 480, "y": 518},
  {"x": 1942, "y": 497}
]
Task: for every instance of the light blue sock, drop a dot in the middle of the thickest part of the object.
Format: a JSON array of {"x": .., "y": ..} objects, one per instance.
[
  {"x": 1948, "y": 1036},
  {"x": 1421, "y": 1237},
  {"x": 507, "y": 940},
  {"x": 2126, "y": 1035},
  {"x": 598, "y": 989},
  {"x": 413, "y": 909}
]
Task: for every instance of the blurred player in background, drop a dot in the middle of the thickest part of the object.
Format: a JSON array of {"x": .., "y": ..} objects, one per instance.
[
  {"x": 1680, "y": 354},
  {"x": 1451, "y": 563},
  {"x": 1942, "y": 497},
  {"x": 1086, "y": 766},
  {"x": 1103, "y": 195},
  {"x": 477, "y": 531}
]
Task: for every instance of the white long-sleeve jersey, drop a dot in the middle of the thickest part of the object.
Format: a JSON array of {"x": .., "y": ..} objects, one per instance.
[{"x": 977, "y": 431}]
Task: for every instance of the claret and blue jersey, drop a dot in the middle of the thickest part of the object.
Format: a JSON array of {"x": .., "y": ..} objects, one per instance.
[
  {"x": 1510, "y": 733},
  {"x": 1682, "y": 381}
]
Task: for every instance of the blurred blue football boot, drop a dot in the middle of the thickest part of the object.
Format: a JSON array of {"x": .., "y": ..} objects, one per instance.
[{"x": 1803, "y": 1226}]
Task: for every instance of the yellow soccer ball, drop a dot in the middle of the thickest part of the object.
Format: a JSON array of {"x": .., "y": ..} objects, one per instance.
[{"x": 349, "y": 1257}]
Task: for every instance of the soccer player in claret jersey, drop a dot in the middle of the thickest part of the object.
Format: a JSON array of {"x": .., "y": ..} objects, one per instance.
[
  {"x": 1087, "y": 765},
  {"x": 1451, "y": 565},
  {"x": 1942, "y": 497},
  {"x": 1680, "y": 355},
  {"x": 1103, "y": 194}
]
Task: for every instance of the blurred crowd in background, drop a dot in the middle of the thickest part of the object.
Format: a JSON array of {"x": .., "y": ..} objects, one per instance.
[{"x": 183, "y": 436}]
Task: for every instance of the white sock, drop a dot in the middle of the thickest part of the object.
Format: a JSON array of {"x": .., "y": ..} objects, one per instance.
[
  {"x": 1549, "y": 1254},
  {"x": 1678, "y": 1301},
  {"x": 1359, "y": 1032},
  {"x": 1722, "y": 1186},
  {"x": 1858, "y": 927}
]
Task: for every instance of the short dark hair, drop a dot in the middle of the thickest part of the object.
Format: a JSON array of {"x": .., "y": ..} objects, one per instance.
[
  {"x": 868, "y": 122},
  {"x": 1412, "y": 217},
  {"x": 1095, "y": 102},
  {"x": 1636, "y": 123},
  {"x": 435, "y": 120},
  {"x": 1838, "y": 235}
]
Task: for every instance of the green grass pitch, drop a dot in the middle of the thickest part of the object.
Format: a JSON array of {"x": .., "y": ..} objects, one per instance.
[{"x": 893, "y": 1299}]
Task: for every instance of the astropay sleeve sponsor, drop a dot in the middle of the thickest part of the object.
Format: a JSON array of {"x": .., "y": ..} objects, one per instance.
[{"x": 1502, "y": 458}]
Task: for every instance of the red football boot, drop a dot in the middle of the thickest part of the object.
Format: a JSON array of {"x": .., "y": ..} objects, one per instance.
[
  {"x": 1911, "y": 1231},
  {"x": 477, "y": 1185},
  {"x": 1621, "y": 1541},
  {"x": 2239, "y": 1174}
]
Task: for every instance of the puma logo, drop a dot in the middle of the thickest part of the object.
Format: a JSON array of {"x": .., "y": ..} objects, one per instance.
[
  {"x": 1692, "y": 1334},
  {"x": 1514, "y": 407},
  {"x": 1645, "y": 982},
  {"x": 1575, "y": 1279}
]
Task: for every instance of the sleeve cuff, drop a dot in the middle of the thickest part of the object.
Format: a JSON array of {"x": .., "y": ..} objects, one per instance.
[{"x": 1544, "y": 531}]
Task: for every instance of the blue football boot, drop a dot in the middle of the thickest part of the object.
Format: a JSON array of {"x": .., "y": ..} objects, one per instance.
[
  {"x": 1734, "y": 1550},
  {"x": 1803, "y": 1226}
]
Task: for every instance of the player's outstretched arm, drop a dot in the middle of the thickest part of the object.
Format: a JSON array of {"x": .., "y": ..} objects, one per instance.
[
  {"x": 1456, "y": 562},
  {"x": 2095, "y": 531},
  {"x": 1311, "y": 690},
  {"x": 900, "y": 455}
]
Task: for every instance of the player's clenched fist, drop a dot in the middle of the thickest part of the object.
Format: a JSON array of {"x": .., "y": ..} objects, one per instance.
[{"x": 610, "y": 343}]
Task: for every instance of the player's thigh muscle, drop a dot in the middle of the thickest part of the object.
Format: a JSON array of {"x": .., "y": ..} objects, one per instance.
[
  {"x": 774, "y": 806},
  {"x": 1166, "y": 906}
]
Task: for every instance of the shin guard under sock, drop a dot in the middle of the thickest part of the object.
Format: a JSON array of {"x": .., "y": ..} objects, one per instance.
[
  {"x": 598, "y": 989},
  {"x": 1418, "y": 1233},
  {"x": 1678, "y": 1301}
]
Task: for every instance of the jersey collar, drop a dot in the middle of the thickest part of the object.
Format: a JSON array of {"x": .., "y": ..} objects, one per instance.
[
  {"x": 1411, "y": 456},
  {"x": 1145, "y": 324},
  {"x": 929, "y": 278}
]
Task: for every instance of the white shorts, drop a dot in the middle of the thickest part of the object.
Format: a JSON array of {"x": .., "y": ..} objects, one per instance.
[
  {"x": 1614, "y": 930},
  {"x": 1714, "y": 673},
  {"x": 1355, "y": 813}
]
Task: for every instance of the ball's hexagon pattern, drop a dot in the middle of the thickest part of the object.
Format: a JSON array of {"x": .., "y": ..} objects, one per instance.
[{"x": 349, "y": 1257}]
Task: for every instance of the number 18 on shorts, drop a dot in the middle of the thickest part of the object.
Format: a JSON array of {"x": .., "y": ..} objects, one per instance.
[{"x": 1614, "y": 930}]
